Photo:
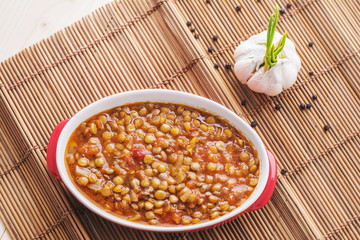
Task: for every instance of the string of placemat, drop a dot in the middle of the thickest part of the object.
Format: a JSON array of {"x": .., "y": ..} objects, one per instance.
[
  {"x": 340, "y": 227},
  {"x": 58, "y": 222},
  {"x": 22, "y": 160},
  {"x": 181, "y": 236},
  {"x": 136, "y": 19},
  {"x": 302, "y": 83},
  {"x": 321, "y": 153}
]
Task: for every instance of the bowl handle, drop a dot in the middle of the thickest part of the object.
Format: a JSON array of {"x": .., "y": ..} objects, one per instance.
[
  {"x": 51, "y": 151},
  {"x": 270, "y": 185}
]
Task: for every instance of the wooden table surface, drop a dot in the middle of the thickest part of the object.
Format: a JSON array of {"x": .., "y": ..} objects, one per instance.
[{"x": 25, "y": 22}]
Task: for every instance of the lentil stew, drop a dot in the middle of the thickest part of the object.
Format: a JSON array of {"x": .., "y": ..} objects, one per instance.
[{"x": 163, "y": 164}]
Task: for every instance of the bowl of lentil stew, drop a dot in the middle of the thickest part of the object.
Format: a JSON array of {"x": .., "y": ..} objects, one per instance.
[{"x": 162, "y": 160}]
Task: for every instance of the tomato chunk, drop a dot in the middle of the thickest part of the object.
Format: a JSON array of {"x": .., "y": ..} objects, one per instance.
[{"x": 139, "y": 152}]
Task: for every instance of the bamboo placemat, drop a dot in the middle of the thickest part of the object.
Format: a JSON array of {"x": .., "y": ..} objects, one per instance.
[{"x": 131, "y": 45}]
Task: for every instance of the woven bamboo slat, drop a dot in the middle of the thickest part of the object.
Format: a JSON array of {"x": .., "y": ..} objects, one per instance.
[{"x": 129, "y": 45}]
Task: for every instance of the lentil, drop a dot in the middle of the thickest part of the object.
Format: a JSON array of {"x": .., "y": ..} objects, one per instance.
[
  {"x": 161, "y": 168},
  {"x": 118, "y": 189},
  {"x": 83, "y": 181},
  {"x": 148, "y": 205},
  {"x": 150, "y": 215},
  {"x": 99, "y": 162},
  {"x": 253, "y": 182},
  {"x": 155, "y": 182},
  {"x": 173, "y": 199},
  {"x": 106, "y": 135},
  {"x": 160, "y": 194},
  {"x": 195, "y": 166},
  {"x": 148, "y": 159},
  {"x": 92, "y": 177},
  {"x": 174, "y": 131},
  {"x": 165, "y": 128},
  {"x": 83, "y": 162}
]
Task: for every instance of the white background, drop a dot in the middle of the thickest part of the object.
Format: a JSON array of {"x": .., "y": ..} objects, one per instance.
[{"x": 25, "y": 22}]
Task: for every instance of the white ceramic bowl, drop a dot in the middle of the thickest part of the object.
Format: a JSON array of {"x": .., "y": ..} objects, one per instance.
[{"x": 61, "y": 134}]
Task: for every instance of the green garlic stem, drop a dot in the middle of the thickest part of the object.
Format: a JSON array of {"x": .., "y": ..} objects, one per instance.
[{"x": 272, "y": 51}]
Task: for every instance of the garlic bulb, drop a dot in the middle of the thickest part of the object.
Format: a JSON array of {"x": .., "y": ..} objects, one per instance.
[{"x": 252, "y": 68}]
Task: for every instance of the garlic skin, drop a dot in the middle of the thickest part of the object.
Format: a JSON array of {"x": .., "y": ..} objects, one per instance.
[{"x": 249, "y": 55}]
